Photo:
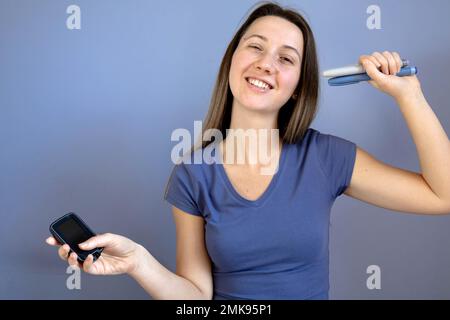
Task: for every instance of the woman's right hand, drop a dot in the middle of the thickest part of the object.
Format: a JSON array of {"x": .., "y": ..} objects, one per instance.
[{"x": 120, "y": 254}]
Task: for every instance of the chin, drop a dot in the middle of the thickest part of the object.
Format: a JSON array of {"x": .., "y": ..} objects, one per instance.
[{"x": 262, "y": 107}]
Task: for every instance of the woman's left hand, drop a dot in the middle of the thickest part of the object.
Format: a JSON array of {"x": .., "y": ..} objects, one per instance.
[{"x": 382, "y": 67}]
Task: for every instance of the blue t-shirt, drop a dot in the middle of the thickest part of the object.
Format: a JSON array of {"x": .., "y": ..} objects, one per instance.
[{"x": 275, "y": 247}]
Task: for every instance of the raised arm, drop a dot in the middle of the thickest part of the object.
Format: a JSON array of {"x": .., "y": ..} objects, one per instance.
[
  {"x": 385, "y": 186},
  {"x": 377, "y": 183}
]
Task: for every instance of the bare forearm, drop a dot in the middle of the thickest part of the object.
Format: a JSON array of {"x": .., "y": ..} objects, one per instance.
[
  {"x": 161, "y": 283},
  {"x": 432, "y": 143}
]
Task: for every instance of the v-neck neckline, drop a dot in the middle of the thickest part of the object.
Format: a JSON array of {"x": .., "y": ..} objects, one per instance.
[{"x": 266, "y": 193}]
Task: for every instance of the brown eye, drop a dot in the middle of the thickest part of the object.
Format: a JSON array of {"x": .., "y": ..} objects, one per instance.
[
  {"x": 284, "y": 59},
  {"x": 255, "y": 47}
]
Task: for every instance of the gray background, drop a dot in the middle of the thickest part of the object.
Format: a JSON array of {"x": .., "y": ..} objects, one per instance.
[{"x": 86, "y": 117}]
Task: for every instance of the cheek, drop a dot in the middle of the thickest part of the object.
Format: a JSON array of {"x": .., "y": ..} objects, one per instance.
[
  {"x": 289, "y": 81},
  {"x": 238, "y": 63},
  {"x": 232, "y": 77}
]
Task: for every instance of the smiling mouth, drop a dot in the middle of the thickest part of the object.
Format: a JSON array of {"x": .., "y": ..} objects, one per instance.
[{"x": 259, "y": 84}]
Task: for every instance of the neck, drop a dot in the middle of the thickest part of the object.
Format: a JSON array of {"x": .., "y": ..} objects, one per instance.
[
  {"x": 253, "y": 139},
  {"x": 242, "y": 118}
]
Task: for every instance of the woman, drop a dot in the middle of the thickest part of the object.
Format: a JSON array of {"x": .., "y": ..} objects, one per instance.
[{"x": 246, "y": 235}]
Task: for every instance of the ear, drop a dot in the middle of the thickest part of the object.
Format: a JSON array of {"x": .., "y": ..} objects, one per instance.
[{"x": 294, "y": 96}]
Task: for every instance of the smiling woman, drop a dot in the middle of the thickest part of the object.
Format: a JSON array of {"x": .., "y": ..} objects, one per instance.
[{"x": 263, "y": 236}]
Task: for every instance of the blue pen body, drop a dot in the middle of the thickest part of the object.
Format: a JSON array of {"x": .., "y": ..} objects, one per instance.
[{"x": 355, "y": 78}]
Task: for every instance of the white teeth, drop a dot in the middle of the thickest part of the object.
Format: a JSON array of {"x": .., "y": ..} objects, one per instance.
[{"x": 258, "y": 83}]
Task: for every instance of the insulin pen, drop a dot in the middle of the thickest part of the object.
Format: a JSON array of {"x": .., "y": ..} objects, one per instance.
[
  {"x": 355, "y": 78},
  {"x": 353, "y": 69}
]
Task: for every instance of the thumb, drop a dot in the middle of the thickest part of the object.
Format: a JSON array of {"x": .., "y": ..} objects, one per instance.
[
  {"x": 101, "y": 240},
  {"x": 372, "y": 71}
]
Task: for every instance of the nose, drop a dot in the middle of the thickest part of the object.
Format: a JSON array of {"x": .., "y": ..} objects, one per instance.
[{"x": 265, "y": 64}]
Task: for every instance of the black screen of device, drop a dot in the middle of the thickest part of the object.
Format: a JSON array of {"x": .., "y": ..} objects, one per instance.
[{"x": 73, "y": 233}]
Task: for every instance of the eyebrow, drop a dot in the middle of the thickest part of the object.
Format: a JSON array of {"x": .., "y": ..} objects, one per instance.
[{"x": 265, "y": 39}]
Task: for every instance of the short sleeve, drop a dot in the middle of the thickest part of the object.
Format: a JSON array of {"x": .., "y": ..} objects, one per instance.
[
  {"x": 337, "y": 159},
  {"x": 181, "y": 191}
]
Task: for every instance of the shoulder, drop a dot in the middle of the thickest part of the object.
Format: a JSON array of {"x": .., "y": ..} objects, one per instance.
[
  {"x": 196, "y": 165},
  {"x": 336, "y": 158},
  {"x": 313, "y": 139},
  {"x": 325, "y": 148},
  {"x": 323, "y": 140}
]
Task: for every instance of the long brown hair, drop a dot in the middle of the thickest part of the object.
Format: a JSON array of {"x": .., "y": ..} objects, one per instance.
[{"x": 296, "y": 115}]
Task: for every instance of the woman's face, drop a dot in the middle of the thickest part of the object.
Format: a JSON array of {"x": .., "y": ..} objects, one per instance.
[{"x": 265, "y": 67}]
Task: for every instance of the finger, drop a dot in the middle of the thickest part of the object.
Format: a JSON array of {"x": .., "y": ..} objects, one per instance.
[
  {"x": 73, "y": 260},
  {"x": 87, "y": 265},
  {"x": 63, "y": 252},
  {"x": 52, "y": 241},
  {"x": 392, "y": 62},
  {"x": 372, "y": 70},
  {"x": 398, "y": 59},
  {"x": 384, "y": 62},
  {"x": 373, "y": 59},
  {"x": 101, "y": 240}
]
